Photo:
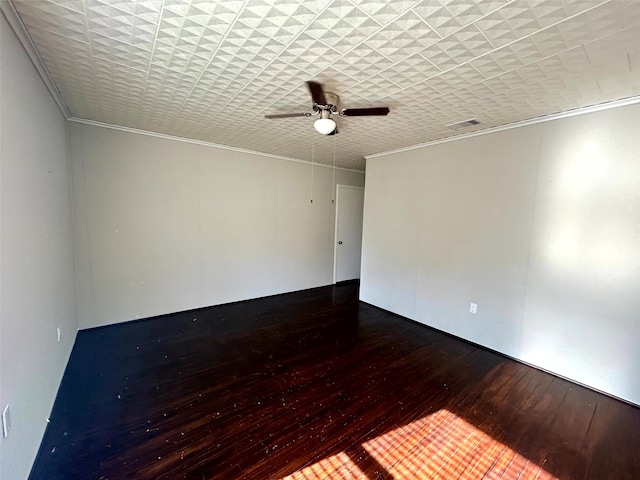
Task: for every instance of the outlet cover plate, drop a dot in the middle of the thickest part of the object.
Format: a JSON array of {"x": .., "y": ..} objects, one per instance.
[{"x": 473, "y": 308}]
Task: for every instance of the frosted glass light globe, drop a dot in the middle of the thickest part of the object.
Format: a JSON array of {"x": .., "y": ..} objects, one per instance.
[{"x": 324, "y": 126}]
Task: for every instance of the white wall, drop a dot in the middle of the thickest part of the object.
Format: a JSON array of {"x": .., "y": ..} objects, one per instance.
[
  {"x": 538, "y": 225},
  {"x": 37, "y": 287},
  {"x": 165, "y": 225}
]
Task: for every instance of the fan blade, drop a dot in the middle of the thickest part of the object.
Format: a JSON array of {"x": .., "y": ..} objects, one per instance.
[
  {"x": 287, "y": 115},
  {"x": 358, "y": 112},
  {"x": 317, "y": 93}
]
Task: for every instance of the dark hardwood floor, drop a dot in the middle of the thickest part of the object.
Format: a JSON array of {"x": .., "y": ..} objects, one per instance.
[{"x": 314, "y": 385}]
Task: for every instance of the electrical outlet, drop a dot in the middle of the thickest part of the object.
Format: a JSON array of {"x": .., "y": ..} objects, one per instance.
[
  {"x": 6, "y": 421},
  {"x": 473, "y": 308},
  {"x": 58, "y": 330}
]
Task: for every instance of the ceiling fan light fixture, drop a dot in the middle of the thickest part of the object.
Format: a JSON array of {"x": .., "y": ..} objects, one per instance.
[
  {"x": 324, "y": 126},
  {"x": 326, "y": 103}
]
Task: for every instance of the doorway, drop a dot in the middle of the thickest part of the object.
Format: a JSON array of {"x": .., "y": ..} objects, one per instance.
[{"x": 348, "y": 238}]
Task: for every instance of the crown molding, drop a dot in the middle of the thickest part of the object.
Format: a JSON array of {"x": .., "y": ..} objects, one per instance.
[
  {"x": 110, "y": 126},
  {"x": 10, "y": 13},
  {"x": 547, "y": 118}
]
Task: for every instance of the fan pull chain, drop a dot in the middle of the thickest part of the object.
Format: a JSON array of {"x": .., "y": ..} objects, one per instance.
[
  {"x": 333, "y": 182},
  {"x": 313, "y": 146}
]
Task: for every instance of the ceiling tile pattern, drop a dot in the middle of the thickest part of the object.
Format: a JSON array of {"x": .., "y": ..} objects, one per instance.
[{"x": 210, "y": 70}]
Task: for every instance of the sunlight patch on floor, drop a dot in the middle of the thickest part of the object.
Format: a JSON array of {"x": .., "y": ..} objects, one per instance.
[
  {"x": 444, "y": 446},
  {"x": 438, "y": 446}
]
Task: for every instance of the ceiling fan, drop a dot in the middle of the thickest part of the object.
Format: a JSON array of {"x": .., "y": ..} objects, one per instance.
[{"x": 325, "y": 104}]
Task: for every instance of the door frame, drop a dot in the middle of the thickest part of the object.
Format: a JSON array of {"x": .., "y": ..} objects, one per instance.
[{"x": 335, "y": 228}]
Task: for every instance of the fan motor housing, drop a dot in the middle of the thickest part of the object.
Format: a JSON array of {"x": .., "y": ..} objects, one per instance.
[{"x": 333, "y": 100}]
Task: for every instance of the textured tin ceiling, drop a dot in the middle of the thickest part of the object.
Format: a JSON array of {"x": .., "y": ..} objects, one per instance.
[{"x": 211, "y": 70}]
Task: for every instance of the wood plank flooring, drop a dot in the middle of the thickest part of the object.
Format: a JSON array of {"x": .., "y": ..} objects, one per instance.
[{"x": 315, "y": 385}]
